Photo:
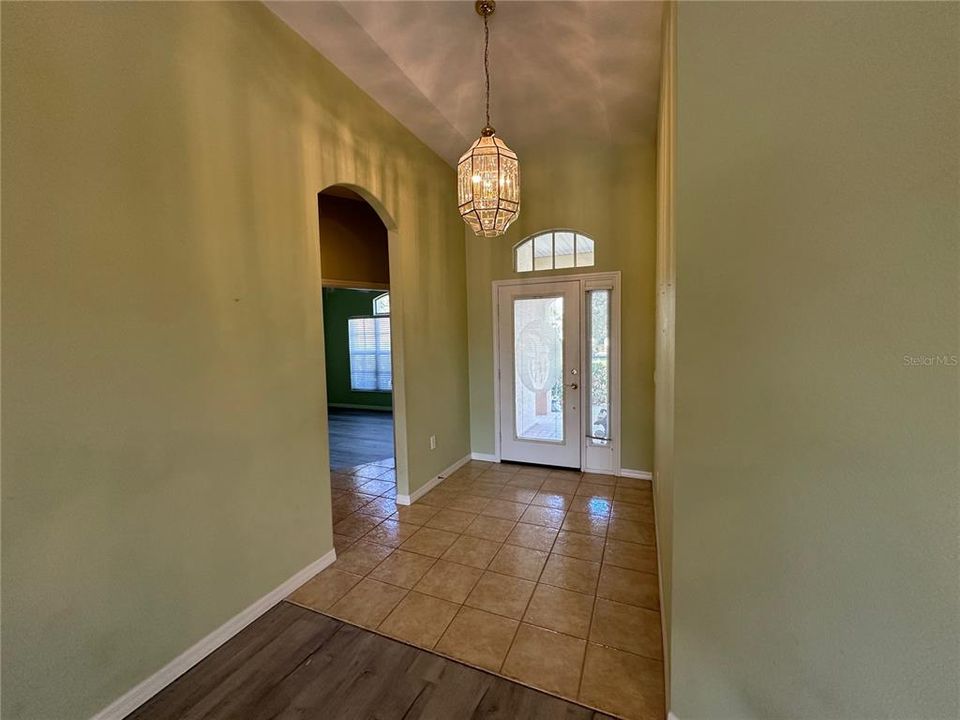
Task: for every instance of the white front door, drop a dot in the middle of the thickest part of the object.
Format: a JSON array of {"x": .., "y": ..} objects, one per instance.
[{"x": 540, "y": 374}]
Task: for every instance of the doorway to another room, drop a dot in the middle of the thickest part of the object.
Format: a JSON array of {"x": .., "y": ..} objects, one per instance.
[{"x": 357, "y": 343}]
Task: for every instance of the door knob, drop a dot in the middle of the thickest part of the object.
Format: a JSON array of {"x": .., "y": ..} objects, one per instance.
[{"x": 573, "y": 386}]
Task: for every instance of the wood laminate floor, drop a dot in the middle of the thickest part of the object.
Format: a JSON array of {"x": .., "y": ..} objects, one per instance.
[
  {"x": 358, "y": 437},
  {"x": 294, "y": 663}
]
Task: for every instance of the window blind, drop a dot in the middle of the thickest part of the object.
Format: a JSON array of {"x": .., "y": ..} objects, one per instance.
[{"x": 369, "y": 339}]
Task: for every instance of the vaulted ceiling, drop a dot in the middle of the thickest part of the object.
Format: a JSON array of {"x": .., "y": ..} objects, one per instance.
[{"x": 578, "y": 71}]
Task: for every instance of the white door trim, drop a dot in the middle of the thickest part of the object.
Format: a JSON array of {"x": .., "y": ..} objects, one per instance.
[{"x": 586, "y": 279}]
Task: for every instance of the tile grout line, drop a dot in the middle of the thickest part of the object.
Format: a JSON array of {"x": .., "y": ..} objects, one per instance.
[{"x": 550, "y": 552}]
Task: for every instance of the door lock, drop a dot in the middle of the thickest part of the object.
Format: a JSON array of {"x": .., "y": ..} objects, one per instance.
[{"x": 573, "y": 386}]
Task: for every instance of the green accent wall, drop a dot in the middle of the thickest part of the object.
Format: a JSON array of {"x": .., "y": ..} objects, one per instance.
[
  {"x": 339, "y": 305},
  {"x": 165, "y": 458},
  {"x": 608, "y": 193},
  {"x": 816, "y": 479}
]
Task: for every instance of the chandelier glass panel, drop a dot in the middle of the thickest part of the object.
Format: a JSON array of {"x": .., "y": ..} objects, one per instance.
[{"x": 488, "y": 174}]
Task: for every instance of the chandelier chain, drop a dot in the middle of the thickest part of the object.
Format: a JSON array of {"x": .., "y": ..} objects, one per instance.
[{"x": 486, "y": 61}]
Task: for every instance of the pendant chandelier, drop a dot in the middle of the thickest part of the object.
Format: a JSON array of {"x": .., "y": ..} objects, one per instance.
[{"x": 488, "y": 174}]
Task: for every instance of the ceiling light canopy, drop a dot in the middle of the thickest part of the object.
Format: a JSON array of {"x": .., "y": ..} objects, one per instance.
[{"x": 488, "y": 174}]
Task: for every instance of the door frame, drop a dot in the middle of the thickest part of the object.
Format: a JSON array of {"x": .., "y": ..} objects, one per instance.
[{"x": 588, "y": 281}]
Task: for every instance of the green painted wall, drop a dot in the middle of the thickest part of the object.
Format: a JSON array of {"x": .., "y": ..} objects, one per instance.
[
  {"x": 164, "y": 435},
  {"x": 339, "y": 305},
  {"x": 608, "y": 193},
  {"x": 816, "y": 475}
]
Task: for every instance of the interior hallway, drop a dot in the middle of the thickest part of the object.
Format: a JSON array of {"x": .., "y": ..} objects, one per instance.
[{"x": 548, "y": 577}]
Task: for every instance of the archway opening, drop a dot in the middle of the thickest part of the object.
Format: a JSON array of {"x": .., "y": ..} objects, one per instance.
[{"x": 359, "y": 349}]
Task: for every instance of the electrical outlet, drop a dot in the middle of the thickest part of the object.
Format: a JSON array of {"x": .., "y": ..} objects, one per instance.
[{"x": 433, "y": 442}]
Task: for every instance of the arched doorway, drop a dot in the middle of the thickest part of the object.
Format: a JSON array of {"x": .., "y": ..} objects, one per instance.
[{"x": 363, "y": 352}]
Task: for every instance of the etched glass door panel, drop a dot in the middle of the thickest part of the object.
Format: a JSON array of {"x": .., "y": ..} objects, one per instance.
[
  {"x": 538, "y": 330},
  {"x": 538, "y": 368}
]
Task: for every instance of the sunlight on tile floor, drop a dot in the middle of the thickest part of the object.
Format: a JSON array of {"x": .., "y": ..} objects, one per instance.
[{"x": 547, "y": 577}]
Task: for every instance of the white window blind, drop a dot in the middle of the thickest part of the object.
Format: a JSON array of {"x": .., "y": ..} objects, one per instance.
[{"x": 369, "y": 339}]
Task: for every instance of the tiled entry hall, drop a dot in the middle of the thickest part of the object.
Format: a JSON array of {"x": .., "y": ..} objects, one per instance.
[{"x": 546, "y": 577}]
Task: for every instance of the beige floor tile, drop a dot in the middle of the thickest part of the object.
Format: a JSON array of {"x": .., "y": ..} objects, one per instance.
[
  {"x": 595, "y": 491},
  {"x": 566, "y": 486},
  {"x": 439, "y": 497},
  {"x": 627, "y": 627},
  {"x": 530, "y": 482},
  {"x": 471, "y": 551},
  {"x": 367, "y": 603},
  {"x": 338, "y": 513},
  {"x": 490, "y": 528},
  {"x": 631, "y": 555},
  {"x": 415, "y": 514},
  {"x": 324, "y": 589},
  {"x": 476, "y": 467},
  {"x": 377, "y": 487},
  {"x": 592, "y": 506},
  {"x": 622, "y": 683},
  {"x": 532, "y": 536},
  {"x": 429, "y": 541},
  {"x": 532, "y": 470},
  {"x": 368, "y": 470},
  {"x": 558, "y": 501},
  {"x": 585, "y": 523},
  {"x": 469, "y": 503},
  {"x": 578, "y": 545},
  {"x": 452, "y": 520},
  {"x": 506, "y": 509},
  {"x": 403, "y": 569},
  {"x": 351, "y": 501},
  {"x": 571, "y": 573},
  {"x": 419, "y": 619},
  {"x": 356, "y": 525},
  {"x": 449, "y": 581},
  {"x": 519, "y": 561},
  {"x": 501, "y": 594},
  {"x": 636, "y": 483},
  {"x": 382, "y": 507},
  {"x": 362, "y": 557},
  {"x": 546, "y": 659},
  {"x": 342, "y": 542},
  {"x": 515, "y": 494},
  {"x": 391, "y": 532},
  {"x": 485, "y": 490},
  {"x": 563, "y": 610},
  {"x": 629, "y": 586},
  {"x": 574, "y": 474},
  {"x": 595, "y": 479},
  {"x": 340, "y": 481},
  {"x": 632, "y": 531},
  {"x": 478, "y": 638},
  {"x": 634, "y": 496},
  {"x": 546, "y": 516},
  {"x": 626, "y": 511}
]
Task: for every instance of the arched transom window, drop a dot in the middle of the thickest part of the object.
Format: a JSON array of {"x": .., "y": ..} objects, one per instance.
[
  {"x": 553, "y": 250},
  {"x": 381, "y": 304}
]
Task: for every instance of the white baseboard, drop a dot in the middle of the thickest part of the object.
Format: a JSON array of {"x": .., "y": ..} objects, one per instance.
[
  {"x": 672, "y": 716},
  {"x": 638, "y": 474},
  {"x": 138, "y": 695},
  {"x": 420, "y": 492},
  {"x": 484, "y": 457}
]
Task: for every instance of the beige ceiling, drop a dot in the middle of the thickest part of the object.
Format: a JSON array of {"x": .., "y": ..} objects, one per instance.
[{"x": 560, "y": 71}]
